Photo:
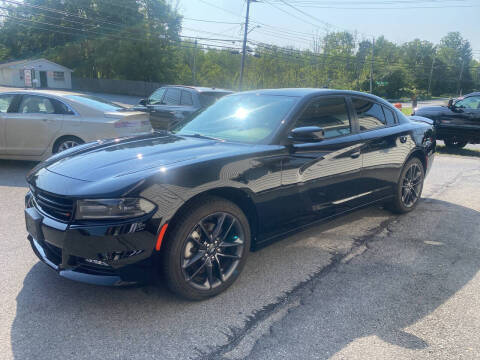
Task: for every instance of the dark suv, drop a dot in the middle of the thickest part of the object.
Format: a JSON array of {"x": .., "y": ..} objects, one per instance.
[
  {"x": 458, "y": 123},
  {"x": 170, "y": 104}
]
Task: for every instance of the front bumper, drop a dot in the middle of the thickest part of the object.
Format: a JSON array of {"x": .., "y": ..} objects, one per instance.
[{"x": 107, "y": 254}]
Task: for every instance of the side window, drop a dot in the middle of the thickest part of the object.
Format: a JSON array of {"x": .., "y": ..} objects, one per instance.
[
  {"x": 156, "y": 97},
  {"x": 370, "y": 115},
  {"x": 331, "y": 114},
  {"x": 172, "y": 97},
  {"x": 5, "y": 101},
  {"x": 186, "y": 98},
  {"x": 472, "y": 102},
  {"x": 61, "y": 108},
  {"x": 389, "y": 116},
  {"x": 36, "y": 105}
]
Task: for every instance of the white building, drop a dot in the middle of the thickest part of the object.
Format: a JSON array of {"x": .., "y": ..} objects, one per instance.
[{"x": 45, "y": 74}]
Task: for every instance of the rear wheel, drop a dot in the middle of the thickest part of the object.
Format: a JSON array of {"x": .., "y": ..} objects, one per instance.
[
  {"x": 409, "y": 187},
  {"x": 206, "y": 249},
  {"x": 455, "y": 144},
  {"x": 65, "y": 143}
]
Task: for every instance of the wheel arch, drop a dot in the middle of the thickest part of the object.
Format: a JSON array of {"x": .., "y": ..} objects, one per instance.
[
  {"x": 420, "y": 154},
  {"x": 239, "y": 197}
]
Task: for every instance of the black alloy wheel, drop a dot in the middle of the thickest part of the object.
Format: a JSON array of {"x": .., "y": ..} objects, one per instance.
[
  {"x": 213, "y": 251},
  {"x": 409, "y": 187},
  {"x": 412, "y": 185},
  {"x": 454, "y": 143},
  {"x": 206, "y": 249}
]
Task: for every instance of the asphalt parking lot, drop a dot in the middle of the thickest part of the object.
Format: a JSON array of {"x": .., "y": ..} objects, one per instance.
[{"x": 368, "y": 285}]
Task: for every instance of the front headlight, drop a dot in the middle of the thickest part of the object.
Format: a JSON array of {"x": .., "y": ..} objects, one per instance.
[{"x": 112, "y": 208}]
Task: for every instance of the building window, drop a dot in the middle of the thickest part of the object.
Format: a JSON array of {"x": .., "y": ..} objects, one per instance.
[
  {"x": 58, "y": 76},
  {"x": 21, "y": 73}
]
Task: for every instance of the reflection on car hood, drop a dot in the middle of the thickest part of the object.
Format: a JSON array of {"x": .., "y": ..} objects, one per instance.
[
  {"x": 431, "y": 110},
  {"x": 132, "y": 155}
]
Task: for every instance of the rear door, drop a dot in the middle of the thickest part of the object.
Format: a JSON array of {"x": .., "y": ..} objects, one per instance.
[
  {"x": 31, "y": 129},
  {"x": 386, "y": 146},
  {"x": 6, "y": 100}
]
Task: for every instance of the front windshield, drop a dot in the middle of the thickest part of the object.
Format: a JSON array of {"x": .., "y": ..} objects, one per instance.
[
  {"x": 95, "y": 102},
  {"x": 247, "y": 118}
]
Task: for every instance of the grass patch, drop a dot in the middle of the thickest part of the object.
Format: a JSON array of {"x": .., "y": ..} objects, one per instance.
[
  {"x": 406, "y": 111},
  {"x": 459, "y": 152}
]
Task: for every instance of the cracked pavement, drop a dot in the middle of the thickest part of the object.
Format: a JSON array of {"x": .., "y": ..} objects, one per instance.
[{"x": 367, "y": 285}]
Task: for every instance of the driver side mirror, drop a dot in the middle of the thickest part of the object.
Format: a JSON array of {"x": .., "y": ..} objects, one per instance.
[
  {"x": 307, "y": 134},
  {"x": 450, "y": 103},
  {"x": 142, "y": 102}
]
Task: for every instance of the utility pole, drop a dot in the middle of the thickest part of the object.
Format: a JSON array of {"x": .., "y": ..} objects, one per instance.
[
  {"x": 431, "y": 74},
  {"x": 371, "y": 66},
  {"x": 459, "y": 88},
  {"x": 195, "y": 64},
  {"x": 244, "y": 47}
]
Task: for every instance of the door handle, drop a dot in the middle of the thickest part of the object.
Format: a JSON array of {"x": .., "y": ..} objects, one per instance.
[
  {"x": 403, "y": 139},
  {"x": 355, "y": 155}
]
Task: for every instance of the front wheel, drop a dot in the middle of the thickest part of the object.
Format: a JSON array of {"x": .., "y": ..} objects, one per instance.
[
  {"x": 409, "y": 187},
  {"x": 206, "y": 249},
  {"x": 455, "y": 144}
]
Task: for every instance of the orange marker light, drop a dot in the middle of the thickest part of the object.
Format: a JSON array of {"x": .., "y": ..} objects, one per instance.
[{"x": 160, "y": 237}]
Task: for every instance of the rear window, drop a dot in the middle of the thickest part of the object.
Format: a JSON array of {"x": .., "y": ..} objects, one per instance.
[
  {"x": 208, "y": 98},
  {"x": 95, "y": 102}
]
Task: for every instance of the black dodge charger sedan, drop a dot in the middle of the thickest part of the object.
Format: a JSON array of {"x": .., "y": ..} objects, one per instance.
[
  {"x": 192, "y": 203},
  {"x": 458, "y": 123}
]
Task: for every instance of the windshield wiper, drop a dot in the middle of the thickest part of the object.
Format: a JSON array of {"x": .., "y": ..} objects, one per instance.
[{"x": 201, "y": 136}]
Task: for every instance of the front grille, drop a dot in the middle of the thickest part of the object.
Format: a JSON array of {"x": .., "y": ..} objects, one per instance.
[
  {"x": 56, "y": 206},
  {"x": 93, "y": 269}
]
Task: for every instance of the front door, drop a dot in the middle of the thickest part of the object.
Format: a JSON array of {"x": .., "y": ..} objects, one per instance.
[
  {"x": 322, "y": 178},
  {"x": 466, "y": 116},
  {"x": 163, "y": 114},
  {"x": 31, "y": 129}
]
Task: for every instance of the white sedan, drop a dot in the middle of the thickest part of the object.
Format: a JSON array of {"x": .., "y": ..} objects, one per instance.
[{"x": 37, "y": 124}]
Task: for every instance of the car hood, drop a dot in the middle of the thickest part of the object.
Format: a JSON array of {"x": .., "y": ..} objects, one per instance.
[
  {"x": 123, "y": 157},
  {"x": 431, "y": 110}
]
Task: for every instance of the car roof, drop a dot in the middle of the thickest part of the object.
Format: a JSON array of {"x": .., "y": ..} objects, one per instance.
[
  {"x": 42, "y": 92},
  {"x": 311, "y": 92},
  {"x": 199, "y": 88}
]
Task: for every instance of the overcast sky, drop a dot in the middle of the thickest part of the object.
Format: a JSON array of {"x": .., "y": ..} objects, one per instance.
[{"x": 400, "y": 21}]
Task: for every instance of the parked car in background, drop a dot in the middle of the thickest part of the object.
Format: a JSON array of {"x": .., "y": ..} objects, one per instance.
[
  {"x": 37, "y": 124},
  {"x": 458, "y": 123},
  {"x": 193, "y": 202},
  {"x": 170, "y": 104}
]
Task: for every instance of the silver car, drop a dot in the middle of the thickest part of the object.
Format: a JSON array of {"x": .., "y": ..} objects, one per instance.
[{"x": 37, "y": 124}]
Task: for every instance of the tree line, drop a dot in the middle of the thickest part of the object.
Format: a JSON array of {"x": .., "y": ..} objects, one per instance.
[{"x": 140, "y": 40}]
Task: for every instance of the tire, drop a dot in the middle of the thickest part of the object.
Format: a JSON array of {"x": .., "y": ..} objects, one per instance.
[
  {"x": 200, "y": 259},
  {"x": 66, "y": 142},
  {"x": 409, "y": 187},
  {"x": 455, "y": 144}
]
